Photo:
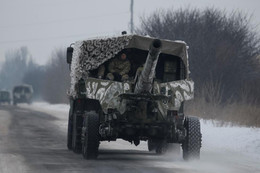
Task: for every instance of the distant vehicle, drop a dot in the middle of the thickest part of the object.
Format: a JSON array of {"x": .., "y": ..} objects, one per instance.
[
  {"x": 147, "y": 106},
  {"x": 22, "y": 94},
  {"x": 5, "y": 97}
]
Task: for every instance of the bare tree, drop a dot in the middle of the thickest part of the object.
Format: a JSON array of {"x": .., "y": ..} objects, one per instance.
[
  {"x": 223, "y": 47},
  {"x": 57, "y": 78},
  {"x": 35, "y": 77},
  {"x": 17, "y": 63}
]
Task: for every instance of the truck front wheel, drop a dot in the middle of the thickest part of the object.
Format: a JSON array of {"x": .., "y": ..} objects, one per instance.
[{"x": 151, "y": 145}]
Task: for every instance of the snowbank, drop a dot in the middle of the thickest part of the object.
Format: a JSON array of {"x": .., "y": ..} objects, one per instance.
[{"x": 238, "y": 139}]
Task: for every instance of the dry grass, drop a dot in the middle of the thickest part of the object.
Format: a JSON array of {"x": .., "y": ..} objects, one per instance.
[
  {"x": 232, "y": 113},
  {"x": 208, "y": 106}
]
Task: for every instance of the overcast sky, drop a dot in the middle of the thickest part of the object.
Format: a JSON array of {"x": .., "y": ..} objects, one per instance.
[{"x": 44, "y": 25}]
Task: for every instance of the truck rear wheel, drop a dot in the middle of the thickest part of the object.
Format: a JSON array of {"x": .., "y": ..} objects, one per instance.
[
  {"x": 192, "y": 143},
  {"x": 90, "y": 135},
  {"x": 76, "y": 133},
  {"x": 69, "y": 134}
]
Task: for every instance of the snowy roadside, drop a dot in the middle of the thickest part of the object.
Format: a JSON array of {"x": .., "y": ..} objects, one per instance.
[
  {"x": 243, "y": 140},
  {"x": 239, "y": 140},
  {"x": 7, "y": 159}
]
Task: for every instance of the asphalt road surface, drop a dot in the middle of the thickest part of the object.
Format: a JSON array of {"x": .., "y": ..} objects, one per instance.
[{"x": 32, "y": 141}]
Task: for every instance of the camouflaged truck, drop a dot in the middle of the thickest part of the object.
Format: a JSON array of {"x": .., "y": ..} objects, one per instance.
[
  {"x": 148, "y": 106},
  {"x": 22, "y": 94}
]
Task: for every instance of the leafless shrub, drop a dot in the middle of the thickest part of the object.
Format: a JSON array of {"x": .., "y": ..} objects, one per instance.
[
  {"x": 243, "y": 112},
  {"x": 223, "y": 63},
  {"x": 223, "y": 47},
  {"x": 56, "y": 78},
  {"x": 17, "y": 63}
]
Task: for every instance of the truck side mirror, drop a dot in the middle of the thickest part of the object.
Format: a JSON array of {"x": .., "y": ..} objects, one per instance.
[{"x": 69, "y": 54}]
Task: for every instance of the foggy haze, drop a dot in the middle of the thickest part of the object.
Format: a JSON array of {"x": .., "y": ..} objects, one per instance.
[
  {"x": 45, "y": 25},
  {"x": 53, "y": 105}
]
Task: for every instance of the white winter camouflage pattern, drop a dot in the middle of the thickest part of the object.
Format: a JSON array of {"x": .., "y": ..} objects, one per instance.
[
  {"x": 107, "y": 93},
  {"x": 177, "y": 91}
]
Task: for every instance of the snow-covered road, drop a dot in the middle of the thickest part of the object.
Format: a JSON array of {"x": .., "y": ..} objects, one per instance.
[
  {"x": 224, "y": 149},
  {"x": 240, "y": 140}
]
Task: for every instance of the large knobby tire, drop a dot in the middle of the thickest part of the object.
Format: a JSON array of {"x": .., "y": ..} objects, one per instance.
[
  {"x": 76, "y": 133},
  {"x": 192, "y": 143},
  {"x": 90, "y": 135},
  {"x": 69, "y": 133}
]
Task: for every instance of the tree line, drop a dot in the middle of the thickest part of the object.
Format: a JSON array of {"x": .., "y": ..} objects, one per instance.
[
  {"x": 50, "y": 82},
  {"x": 222, "y": 48}
]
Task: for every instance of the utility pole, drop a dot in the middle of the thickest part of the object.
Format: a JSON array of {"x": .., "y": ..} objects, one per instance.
[{"x": 132, "y": 17}]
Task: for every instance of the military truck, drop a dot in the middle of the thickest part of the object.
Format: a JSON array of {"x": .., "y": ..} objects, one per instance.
[
  {"x": 5, "y": 97},
  {"x": 22, "y": 94},
  {"x": 148, "y": 106}
]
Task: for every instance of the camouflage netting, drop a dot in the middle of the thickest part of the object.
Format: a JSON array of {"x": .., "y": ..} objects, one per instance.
[{"x": 90, "y": 54}]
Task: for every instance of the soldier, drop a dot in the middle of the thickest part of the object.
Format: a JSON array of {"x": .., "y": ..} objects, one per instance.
[
  {"x": 101, "y": 71},
  {"x": 118, "y": 68}
]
